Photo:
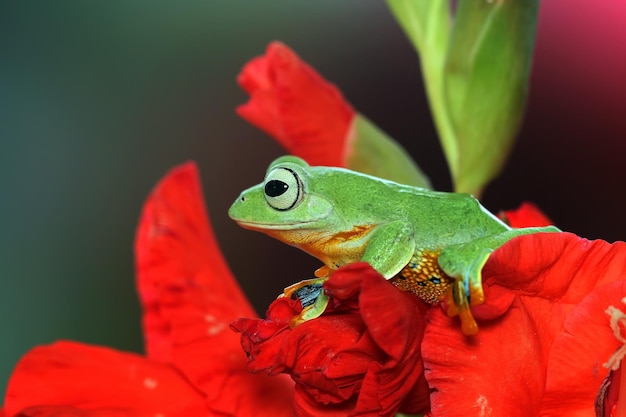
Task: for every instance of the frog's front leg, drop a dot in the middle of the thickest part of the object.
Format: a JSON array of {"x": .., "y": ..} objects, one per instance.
[
  {"x": 390, "y": 247},
  {"x": 464, "y": 262}
]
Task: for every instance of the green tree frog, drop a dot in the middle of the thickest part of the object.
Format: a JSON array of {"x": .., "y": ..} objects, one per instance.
[{"x": 433, "y": 244}]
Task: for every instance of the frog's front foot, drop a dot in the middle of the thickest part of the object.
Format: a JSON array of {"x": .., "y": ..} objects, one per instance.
[{"x": 310, "y": 293}]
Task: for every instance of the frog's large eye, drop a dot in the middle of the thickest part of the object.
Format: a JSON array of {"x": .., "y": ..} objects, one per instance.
[{"x": 283, "y": 189}]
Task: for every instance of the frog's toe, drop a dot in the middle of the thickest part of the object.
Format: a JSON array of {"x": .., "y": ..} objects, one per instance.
[
  {"x": 476, "y": 296},
  {"x": 459, "y": 305},
  {"x": 468, "y": 324},
  {"x": 474, "y": 291}
]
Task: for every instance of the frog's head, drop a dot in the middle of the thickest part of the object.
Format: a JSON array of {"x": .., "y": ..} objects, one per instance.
[{"x": 284, "y": 201}]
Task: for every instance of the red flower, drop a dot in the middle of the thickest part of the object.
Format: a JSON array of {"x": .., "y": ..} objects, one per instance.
[
  {"x": 362, "y": 357},
  {"x": 310, "y": 118},
  {"x": 292, "y": 103},
  {"x": 194, "y": 365},
  {"x": 607, "y": 401},
  {"x": 544, "y": 337}
]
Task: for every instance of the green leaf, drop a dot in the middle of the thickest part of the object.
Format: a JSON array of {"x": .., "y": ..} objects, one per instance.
[
  {"x": 375, "y": 153},
  {"x": 485, "y": 82},
  {"x": 427, "y": 25},
  {"x": 476, "y": 75}
]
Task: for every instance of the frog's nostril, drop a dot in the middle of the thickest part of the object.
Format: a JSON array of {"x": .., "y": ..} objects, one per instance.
[{"x": 243, "y": 199}]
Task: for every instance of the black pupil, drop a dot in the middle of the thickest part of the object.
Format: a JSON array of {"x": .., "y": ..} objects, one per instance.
[{"x": 274, "y": 188}]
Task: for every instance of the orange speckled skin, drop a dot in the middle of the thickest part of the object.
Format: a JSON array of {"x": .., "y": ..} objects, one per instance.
[{"x": 423, "y": 277}]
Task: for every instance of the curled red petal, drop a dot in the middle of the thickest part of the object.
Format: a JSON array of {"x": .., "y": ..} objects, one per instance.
[
  {"x": 398, "y": 331},
  {"x": 361, "y": 357},
  {"x": 190, "y": 297},
  {"x": 83, "y": 377},
  {"x": 558, "y": 287},
  {"x": 291, "y": 102}
]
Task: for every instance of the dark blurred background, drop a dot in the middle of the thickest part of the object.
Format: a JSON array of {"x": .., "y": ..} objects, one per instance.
[{"x": 99, "y": 99}]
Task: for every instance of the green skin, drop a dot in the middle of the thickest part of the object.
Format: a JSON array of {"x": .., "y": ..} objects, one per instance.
[{"x": 341, "y": 216}]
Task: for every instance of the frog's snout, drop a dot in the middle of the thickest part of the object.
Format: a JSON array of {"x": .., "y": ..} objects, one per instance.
[
  {"x": 245, "y": 207},
  {"x": 234, "y": 208},
  {"x": 240, "y": 200}
]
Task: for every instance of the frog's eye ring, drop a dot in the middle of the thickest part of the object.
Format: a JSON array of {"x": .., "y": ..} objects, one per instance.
[{"x": 283, "y": 189}]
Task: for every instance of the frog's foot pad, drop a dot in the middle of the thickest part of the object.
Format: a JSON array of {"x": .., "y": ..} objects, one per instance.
[
  {"x": 311, "y": 295},
  {"x": 458, "y": 304}
]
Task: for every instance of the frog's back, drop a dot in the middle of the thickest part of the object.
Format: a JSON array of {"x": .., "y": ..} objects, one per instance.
[{"x": 438, "y": 218}]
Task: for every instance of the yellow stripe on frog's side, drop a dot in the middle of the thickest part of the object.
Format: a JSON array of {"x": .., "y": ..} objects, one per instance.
[
  {"x": 423, "y": 277},
  {"x": 333, "y": 249}
]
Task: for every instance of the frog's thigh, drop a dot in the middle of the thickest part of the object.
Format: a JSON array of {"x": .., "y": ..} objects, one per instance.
[{"x": 390, "y": 248}]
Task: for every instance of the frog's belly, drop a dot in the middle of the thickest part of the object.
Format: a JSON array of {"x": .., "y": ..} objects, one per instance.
[{"x": 423, "y": 278}]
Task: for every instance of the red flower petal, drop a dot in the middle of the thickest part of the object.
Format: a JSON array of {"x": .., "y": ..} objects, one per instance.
[
  {"x": 586, "y": 342},
  {"x": 553, "y": 335},
  {"x": 560, "y": 266},
  {"x": 361, "y": 357},
  {"x": 98, "y": 379},
  {"x": 395, "y": 322},
  {"x": 190, "y": 296},
  {"x": 527, "y": 215},
  {"x": 196, "y": 367},
  {"x": 295, "y": 105},
  {"x": 63, "y": 411},
  {"x": 183, "y": 279}
]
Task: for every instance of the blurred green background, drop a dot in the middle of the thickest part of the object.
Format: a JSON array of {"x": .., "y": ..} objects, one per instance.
[{"x": 99, "y": 99}]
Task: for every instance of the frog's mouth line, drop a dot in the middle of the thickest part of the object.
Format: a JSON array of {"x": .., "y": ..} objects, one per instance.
[{"x": 273, "y": 226}]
